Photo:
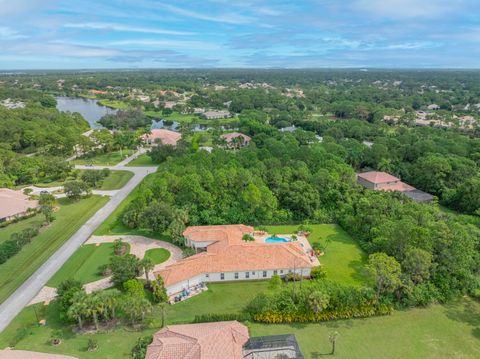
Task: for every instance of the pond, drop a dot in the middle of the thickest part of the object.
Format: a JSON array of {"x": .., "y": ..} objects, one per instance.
[
  {"x": 89, "y": 109},
  {"x": 161, "y": 123}
]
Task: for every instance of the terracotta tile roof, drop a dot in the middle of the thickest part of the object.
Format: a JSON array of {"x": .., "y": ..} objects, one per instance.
[
  {"x": 249, "y": 256},
  {"x": 167, "y": 137},
  {"x": 399, "y": 186},
  {"x": 14, "y": 202},
  {"x": 378, "y": 177},
  {"x": 230, "y": 136},
  {"x": 217, "y": 340},
  {"x": 228, "y": 232}
]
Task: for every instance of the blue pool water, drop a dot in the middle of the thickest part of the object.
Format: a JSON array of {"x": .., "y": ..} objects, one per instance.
[{"x": 276, "y": 240}]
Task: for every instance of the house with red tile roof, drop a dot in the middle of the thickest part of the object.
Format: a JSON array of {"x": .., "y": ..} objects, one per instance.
[
  {"x": 15, "y": 204},
  {"x": 165, "y": 137},
  {"x": 217, "y": 340},
  {"x": 236, "y": 139},
  {"x": 225, "y": 256},
  {"x": 382, "y": 181}
]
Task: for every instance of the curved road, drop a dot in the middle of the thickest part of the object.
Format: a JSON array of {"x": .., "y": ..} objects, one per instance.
[{"x": 29, "y": 289}]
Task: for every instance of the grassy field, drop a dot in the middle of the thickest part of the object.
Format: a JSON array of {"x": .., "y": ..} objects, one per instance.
[
  {"x": 104, "y": 159},
  {"x": 448, "y": 331},
  {"x": 116, "y": 180},
  {"x": 7, "y": 231},
  {"x": 84, "y": 265},
  {"x": 69, "y": 218},
  {"x": 157, "y": 255},
  {"x": 140, "y": 161},
  {"x": 343, "y": 260},
  {"x": 120, "y": 105},
  {"x": 440, "y": 331},
  {"x": 178, "y": 117},
  {"x": 220, "y": 298}
]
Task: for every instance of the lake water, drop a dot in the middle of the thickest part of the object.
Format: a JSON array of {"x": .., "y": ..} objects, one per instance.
[{"x": 89, "y": 109}]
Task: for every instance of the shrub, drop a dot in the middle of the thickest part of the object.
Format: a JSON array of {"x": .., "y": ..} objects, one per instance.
[
  {"x": 140, "y": 349},
  {"x": 318, "y": 272},
  {"x": 17, "y": 240},
  {"x": 92, "y": 345},
  {"x": 248, "y": 237},
  {"x": 212, "y": 317},
  {"x": 134, "y": 288}
]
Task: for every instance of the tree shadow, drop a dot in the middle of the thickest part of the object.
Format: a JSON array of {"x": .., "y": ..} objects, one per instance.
[{"x": 464, "y": 311}]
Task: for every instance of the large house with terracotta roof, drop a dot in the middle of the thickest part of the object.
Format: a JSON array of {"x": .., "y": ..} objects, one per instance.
[
  {"x": 219, "y": 340},
  {"x": 225, "y": 256},
  {"x": 14, "y": 204},
  {"x": 382, "y": 181},
  {"x": 236, "y": 139},
  {"x": 165, "y": 137}
]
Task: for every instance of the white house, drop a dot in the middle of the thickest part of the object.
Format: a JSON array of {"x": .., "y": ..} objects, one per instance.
[{"x": 225, "y": 256}]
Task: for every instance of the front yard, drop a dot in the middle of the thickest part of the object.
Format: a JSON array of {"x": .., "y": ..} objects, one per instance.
[{"x": 104, "y": 159}]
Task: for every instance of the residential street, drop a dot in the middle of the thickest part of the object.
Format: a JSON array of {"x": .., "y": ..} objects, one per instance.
[{"x": 25, "y": 293}]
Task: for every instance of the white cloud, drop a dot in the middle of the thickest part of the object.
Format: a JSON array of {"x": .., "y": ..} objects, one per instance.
[
  {"x": 224, "y": 18},
  {"x": 408, "y": 8},
  {"x": 200, "y": 45},
  {"x": 124, "y": 28},
  {"x": 7, "y": 33}
]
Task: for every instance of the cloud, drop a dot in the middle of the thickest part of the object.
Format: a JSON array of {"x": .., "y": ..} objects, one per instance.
[
  {"x": 229, "y": 18},
  {"x": 200, "y": 45},
  {"x": 7, "y": 33},
  {"x": 402, "y": 9},
  {"x": 124, "y": 28}
]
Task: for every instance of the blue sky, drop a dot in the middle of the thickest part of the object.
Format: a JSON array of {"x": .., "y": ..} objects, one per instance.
[{"x": 60, "y": 34}]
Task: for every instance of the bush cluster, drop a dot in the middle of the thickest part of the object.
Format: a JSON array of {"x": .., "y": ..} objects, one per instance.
[{"x": 17, "y": 240}]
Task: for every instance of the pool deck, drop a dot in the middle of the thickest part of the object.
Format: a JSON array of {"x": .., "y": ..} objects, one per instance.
[{"x": 303, "y": 240}]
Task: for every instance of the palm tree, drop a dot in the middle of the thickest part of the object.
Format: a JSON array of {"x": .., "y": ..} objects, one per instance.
[
  {"x": 78, "y": 309},
  {"x": 333, "y": 339},
  {"x": 95, "y": 307},
  {"x": 147, "y": 264},
  {"x": 110, "y": 299},
  {"x": 318, "y": 301},
  {"x": 136, "y": 308}
]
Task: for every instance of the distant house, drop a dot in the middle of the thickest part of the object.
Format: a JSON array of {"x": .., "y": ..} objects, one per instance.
[
  {"x": 236, "y": 139},
  {"x": 14, "y": 204},
  {"x": 288, "y": 129},
  {"x": 382, "y": 181},
  {"x": 94, "y": 92},
  {"x": 169, "y": 104},
  {"x": 219, "y": 340},
  {"x": 12, "y": 105},
  {"x": 433, "y": 106},
  {"x": 225, "y": 256},
  {"x": 165, "y": 137},
  {"x": 26, "y": 354},
  {"x": 215, "y": 115},
  {"x": 367, "y": 143}
]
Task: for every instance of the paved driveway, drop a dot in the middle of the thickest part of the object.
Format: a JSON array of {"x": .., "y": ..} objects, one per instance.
[{"x": 27, "y": 291}]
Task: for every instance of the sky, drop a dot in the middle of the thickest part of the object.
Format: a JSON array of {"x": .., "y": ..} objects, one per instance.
[{"x": 86, "y": 34}]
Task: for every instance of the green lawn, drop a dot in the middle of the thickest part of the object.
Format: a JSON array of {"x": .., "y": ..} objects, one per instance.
[
  {"x": 7, "y": 231},
  {"x": 120, "y": 105},
  {"x": 141, "y": 161},
  {"x": 220, "y": 298},
  {"x": 116, "y": 180},
  {"x": 343, "y": 260},
  {"x": 84, "y": 265},
  {"x": 104, "y": 159},
  {"x": 157, "y": 255},
  {"x": 69, "y": 218},
  {"x": 178, "y": 117},
  {"x": 448, "y": 331}
]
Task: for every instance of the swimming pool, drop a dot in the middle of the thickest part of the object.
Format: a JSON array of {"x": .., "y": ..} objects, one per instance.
[{"x": 277, "y": 240}]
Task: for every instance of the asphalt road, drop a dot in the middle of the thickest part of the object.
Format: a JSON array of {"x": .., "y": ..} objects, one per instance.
[{"x": 29, "y": 289}]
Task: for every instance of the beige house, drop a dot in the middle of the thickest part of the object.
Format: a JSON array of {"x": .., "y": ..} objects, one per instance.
[
  {"x": 165, "y": 137},
  {"x": 225, "y": 256},
  {"x": 14, "y": 204},
  {"x": 215, "y": 115}
]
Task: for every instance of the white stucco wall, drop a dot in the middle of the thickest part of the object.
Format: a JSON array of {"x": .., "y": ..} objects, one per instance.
[{"x": 230, "y": 276}]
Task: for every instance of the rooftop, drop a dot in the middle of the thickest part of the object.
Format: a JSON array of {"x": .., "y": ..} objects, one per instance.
[
  {"x": 166, "y": 137},
  {"x": 230, "y": 136},
  {"x": 378, "y": 177},
  {"x": 14, "y": 202},
  {"x": 217, "y": 340}
]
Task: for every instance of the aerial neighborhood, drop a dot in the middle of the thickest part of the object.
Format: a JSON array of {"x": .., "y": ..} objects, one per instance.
[{"x": 184, "y": 226}]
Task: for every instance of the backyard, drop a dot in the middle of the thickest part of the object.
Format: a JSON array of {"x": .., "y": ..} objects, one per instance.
[
  {"x": 115, "y": 180},
  {"x": 69, "y": 218},
  {"x": 140, "y": 161},
  {"x": 343, "y": 261}
]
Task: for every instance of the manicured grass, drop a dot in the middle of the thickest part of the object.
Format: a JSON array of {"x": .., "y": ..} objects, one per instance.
[
  {"x": 6, "y": 232},
  {"x": 84, "y": 265},
  {"x": 104, "y": 159},
  {"x": 116, "y": 180},
  {"x": 178, "y": 117},
  {"x": 69, "y": 218},
  {"x": 220, "y": 298},
  {"x": 120, "y": 105},
  {"x": 113, "y": 224},
  {"x": 141, "y": 161},
  {"x": 157, "y": 255},
  {"x": 449, "y": 331},
  {"x": 343, "y": 260}
]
